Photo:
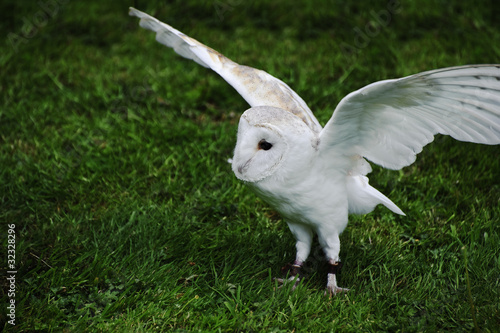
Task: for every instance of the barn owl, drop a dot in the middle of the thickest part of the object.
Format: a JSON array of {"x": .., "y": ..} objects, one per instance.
[{"x": 315, "y": 176}]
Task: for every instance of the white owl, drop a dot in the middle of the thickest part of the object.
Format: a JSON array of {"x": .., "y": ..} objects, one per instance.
[{"x": 315, "y": 177}]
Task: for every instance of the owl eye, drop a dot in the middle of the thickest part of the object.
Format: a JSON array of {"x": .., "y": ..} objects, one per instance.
[{"x": 263, "y": 144}]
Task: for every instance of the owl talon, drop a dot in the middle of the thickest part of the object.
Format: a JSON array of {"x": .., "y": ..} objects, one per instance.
[
  {"x": 283, "y": 282},
  {"x": 333, "y": 291}
]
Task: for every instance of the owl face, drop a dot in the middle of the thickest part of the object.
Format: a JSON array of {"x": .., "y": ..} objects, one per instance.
[{"x": 269, "y": 138}]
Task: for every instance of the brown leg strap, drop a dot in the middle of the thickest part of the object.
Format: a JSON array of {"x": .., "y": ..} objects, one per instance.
[
  {"x": 292, "y": 269},
  {"x": 334, "y": 268}
]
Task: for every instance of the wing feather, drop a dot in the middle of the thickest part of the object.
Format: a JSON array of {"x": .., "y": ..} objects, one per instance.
[
  {"x": 257, "y": 87},
  {"x": 389, "y": 122}
]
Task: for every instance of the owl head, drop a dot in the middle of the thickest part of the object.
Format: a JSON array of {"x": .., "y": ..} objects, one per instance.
[{"x": 270, "y": 139}]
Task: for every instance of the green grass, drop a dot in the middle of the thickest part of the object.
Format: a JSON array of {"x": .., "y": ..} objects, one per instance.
[{"x": 113, "y": 168}]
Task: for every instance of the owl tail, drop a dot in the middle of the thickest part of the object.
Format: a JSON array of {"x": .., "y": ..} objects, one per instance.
[{"x": 363, "y": 198}]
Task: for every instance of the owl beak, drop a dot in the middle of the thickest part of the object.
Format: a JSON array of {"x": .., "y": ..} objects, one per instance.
[{"x": 243, "y": 168}]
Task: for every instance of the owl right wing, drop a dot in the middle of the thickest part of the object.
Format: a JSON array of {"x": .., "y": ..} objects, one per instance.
[
  {"x": 257, "y": 87},
  {"x": 389, "y": 122}
]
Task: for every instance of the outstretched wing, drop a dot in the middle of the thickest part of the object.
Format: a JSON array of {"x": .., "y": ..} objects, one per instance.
[
  {"x": 257, "y": 87},
  {"x": 389, "y": 122}
]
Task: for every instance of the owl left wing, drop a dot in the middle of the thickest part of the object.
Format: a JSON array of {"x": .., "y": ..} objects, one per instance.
[
  {"x": 257, "y": 87},
  {"x": 389, "y": 122}
]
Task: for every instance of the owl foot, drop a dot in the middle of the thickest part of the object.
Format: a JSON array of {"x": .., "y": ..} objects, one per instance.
[
  {"x": 292, "y": 271},
  {"x": 334, "y": 290},
  {"x": 331, "y": 286},
  {"x": 283, "y": 282}
]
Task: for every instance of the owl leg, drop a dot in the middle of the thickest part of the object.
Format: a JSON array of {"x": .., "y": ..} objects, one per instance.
[
  {"x": 303, "y": 234},
  {"x": 330, "y": 242}
]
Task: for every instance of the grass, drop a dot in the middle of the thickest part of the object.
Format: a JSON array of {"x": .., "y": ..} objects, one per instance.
[{"x": 128, "y": 218}]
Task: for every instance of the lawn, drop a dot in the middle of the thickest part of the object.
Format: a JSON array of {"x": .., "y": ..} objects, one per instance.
[{"x": 128, "y": 218}]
